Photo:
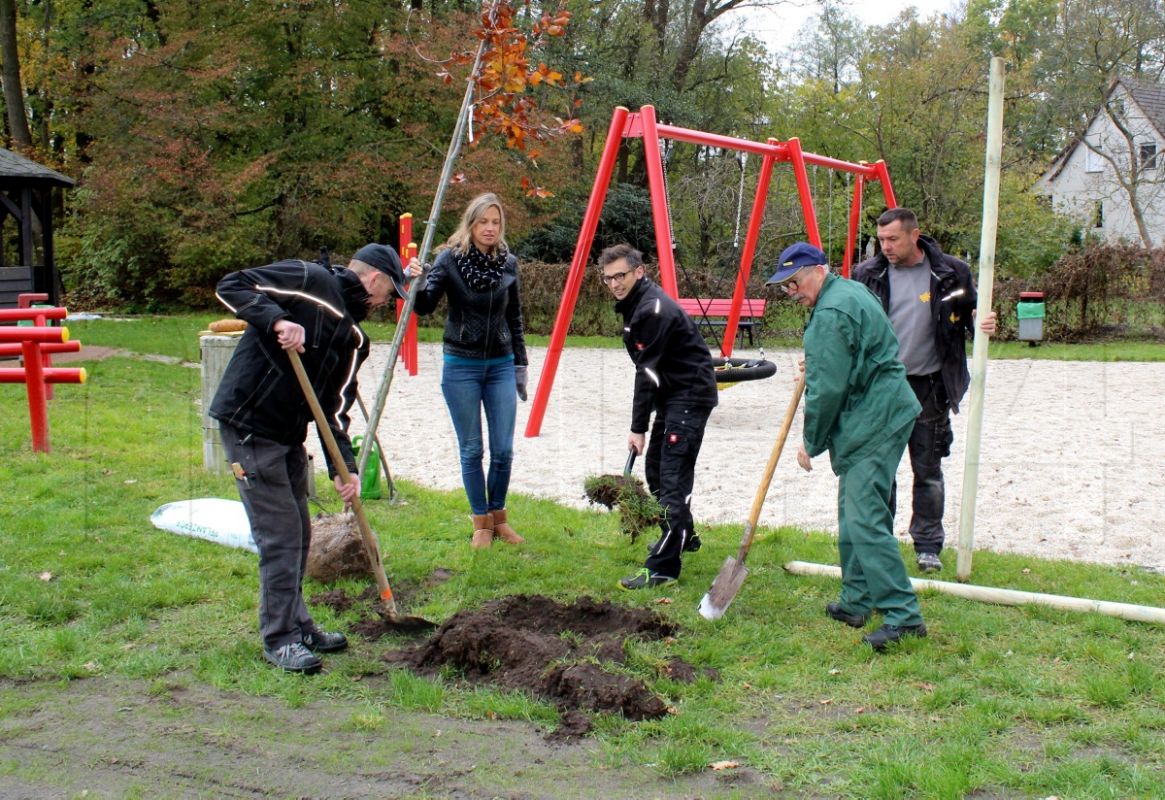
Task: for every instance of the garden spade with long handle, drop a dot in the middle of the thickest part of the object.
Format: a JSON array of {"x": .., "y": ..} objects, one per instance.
[
  {"x": 389, "y": 611},
  {"x": 731, "y": 576}
]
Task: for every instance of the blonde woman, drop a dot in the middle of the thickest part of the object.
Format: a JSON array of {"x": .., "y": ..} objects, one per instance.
[{"x": 485, "y": 356}]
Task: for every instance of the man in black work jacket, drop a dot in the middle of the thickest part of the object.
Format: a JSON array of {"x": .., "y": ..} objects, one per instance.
[
  {"x": 930, "y": 298},
  {"x": 263, "y": 417},
  {"x": 675, "y": 379}
]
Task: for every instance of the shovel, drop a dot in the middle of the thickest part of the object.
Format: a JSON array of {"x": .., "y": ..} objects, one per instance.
[
  {"x": 732, "y": 574},
  {"x": 371, "y": 547}
]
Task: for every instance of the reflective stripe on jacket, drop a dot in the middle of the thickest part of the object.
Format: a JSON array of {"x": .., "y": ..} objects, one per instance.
[{"x": 259, "y": 392}]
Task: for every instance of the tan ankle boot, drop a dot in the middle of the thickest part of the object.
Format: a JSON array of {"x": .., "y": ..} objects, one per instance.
[
  {"x": 503, "y": 531},
  {"x": 483, "y": 530}
]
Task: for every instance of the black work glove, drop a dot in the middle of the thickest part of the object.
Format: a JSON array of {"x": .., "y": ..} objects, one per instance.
[{"x": 520, "y": 379}]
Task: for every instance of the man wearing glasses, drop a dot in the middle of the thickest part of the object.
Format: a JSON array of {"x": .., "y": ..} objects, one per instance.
[
  {"x": 675, "y": 379},
  {"x": 859, "y": 407}
]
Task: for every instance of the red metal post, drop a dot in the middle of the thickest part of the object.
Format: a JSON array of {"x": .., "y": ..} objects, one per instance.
[
  {"x": 659, "y": 202},
  {"x": 50, "y": 375},
  {"x": 578, "y": 265},
  {"x": 409, "y": 343},
  {"x": 26, "y": 314},
  {"x": 887, "y": 188},
  {"x": 855, "y": 215},
  {"x": 34, "y": 380},
  {"x": 26, "y": 299},
  {"x": 34, "y": 374},
  {"x": 16, "y": 349},
  {"x": 808, "y": 211},
  {"x": 34, "y": 334},
  {"x": 751, "y": 238},
  {"x": 410, "y": 340}
]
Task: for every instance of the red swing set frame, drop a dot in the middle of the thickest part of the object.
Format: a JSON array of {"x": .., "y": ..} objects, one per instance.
[{"x": 643, "y": 125}]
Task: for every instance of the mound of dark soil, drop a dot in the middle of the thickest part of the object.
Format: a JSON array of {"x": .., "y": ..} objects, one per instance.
[{"x": 555, "y": 651}]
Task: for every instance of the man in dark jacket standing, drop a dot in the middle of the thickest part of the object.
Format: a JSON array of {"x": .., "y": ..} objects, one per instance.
[
  {"x": 675, "y": 379},
  {"x": 930, "y": 299},
  {"x": 263, "y": 417},
  {"x": 859, "y": 407}
]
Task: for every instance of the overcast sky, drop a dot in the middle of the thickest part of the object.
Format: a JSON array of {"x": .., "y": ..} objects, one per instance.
[{"x": 777, "y": 25}]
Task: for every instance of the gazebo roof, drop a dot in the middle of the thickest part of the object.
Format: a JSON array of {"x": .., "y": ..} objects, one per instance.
[{"x": 15, "y": 167}]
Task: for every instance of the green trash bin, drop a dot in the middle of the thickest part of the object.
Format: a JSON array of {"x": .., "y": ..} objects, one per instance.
[{"x": 1030, "y": 311}]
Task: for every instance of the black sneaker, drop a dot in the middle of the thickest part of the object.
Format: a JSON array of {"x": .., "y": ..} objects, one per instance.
[
  {"x": 841, "y": 615},
  {"x": 294, "y": 657},
  {"x": 325, "y": 641},
  {"x": 644, "y": 579},
  {"x": 929, "y": 562},
  {"x": 691, "y": 546},
  {"x": 893, "y": 633}
]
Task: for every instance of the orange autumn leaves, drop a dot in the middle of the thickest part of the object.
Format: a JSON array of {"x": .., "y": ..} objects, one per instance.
[{"x": 505, "y": 102}]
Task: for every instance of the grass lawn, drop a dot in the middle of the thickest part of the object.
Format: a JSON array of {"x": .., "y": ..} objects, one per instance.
[{"x": 998, "y": 702}]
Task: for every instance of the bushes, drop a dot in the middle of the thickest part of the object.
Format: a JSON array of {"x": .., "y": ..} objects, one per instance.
[
  {"x": 626, "y": 217},
  {"x": 1103, "y": 289},
  {"x": 542, "y": 288}
]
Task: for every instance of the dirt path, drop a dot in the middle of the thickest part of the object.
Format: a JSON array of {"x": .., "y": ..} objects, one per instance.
[{"x": 109, "y": 738}]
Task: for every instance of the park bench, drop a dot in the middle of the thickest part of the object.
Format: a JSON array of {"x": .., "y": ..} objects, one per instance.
[{"x": 713, "y": 313}]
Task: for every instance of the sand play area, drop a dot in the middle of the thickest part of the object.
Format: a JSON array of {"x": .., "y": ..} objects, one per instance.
[{"x": 1071, "y": 459}]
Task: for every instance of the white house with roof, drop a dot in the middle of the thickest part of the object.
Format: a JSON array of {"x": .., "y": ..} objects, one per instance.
[{"x": 1111, "y": 179}]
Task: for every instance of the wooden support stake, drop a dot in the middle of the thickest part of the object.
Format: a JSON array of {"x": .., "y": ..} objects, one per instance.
[{"x": 1006, "y": 597}]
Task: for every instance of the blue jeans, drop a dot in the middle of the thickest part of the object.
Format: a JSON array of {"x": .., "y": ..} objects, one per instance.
[{"x": 468, "y": 387}]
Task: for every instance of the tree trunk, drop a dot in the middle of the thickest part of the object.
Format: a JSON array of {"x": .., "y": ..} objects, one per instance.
[{"x": 13, "y": 91}]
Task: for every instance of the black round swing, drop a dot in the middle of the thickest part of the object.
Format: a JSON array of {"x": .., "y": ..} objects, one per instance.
[{"x": 734, "y": 370}]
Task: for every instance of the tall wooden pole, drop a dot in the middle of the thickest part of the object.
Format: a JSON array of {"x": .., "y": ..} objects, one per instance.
[
  {"x": 979, "y": 352},
  {"x": 402, "y": 323}
]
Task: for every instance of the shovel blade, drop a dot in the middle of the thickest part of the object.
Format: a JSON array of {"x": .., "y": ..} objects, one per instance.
[{"x": 724, "y": 589}]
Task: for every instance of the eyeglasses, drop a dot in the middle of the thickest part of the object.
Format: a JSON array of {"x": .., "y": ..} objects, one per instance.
[
  {"x": 616, "y": 277},
  {"x": 790, "y": 286}
]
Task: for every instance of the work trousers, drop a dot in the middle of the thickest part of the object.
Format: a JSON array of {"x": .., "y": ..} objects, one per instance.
[
  {"x": 676, "y": 435},
  {"x": 273, "y": 488},
  {"x": 873, "y": 577},
  {"x": 930, "y": 442}
]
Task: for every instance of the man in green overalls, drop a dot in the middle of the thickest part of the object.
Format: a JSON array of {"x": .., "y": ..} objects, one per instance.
[{"x": 859, "y": 407}]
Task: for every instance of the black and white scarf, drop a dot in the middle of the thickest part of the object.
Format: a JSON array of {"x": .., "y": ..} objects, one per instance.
[{"x": 480, "y": 271}]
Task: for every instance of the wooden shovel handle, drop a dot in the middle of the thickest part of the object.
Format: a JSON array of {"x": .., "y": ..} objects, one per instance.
[
  {"x": 370, "y": 545},
  {"x": 770, "y": 468}
]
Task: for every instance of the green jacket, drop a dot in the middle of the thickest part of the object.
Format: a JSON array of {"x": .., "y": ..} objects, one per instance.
[{"x": 856, "y": 394}]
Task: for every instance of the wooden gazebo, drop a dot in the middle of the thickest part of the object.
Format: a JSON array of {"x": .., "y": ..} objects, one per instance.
[{"x": 26, "y": 197}]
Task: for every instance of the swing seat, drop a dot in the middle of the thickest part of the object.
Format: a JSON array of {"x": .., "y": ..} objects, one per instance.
[{"x": 712, "y": 314}]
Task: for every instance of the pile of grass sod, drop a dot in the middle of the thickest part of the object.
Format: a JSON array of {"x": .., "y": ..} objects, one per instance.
[{"x": 998, "y": 701}]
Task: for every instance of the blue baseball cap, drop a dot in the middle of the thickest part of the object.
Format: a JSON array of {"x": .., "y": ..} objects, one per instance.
[{"x": 796, "y": 256}]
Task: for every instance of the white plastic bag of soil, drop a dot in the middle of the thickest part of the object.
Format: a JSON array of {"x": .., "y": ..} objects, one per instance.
[
  {"x": 336, "y": 547},
  {"x": 210, "y": 518}
]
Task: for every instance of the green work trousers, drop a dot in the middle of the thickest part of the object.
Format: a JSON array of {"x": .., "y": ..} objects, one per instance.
[{"x": 873, "y": 577}]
